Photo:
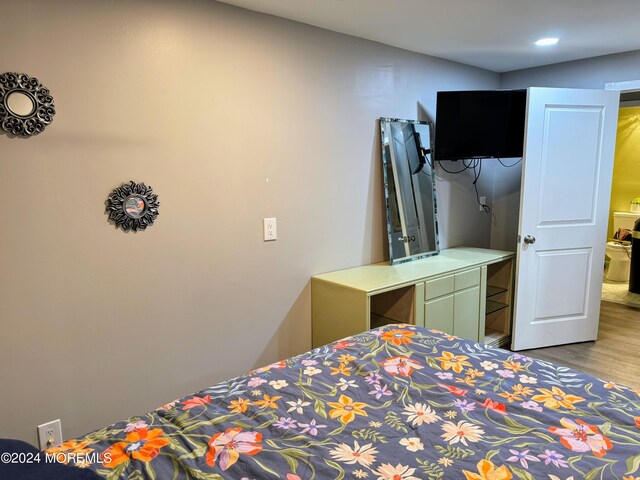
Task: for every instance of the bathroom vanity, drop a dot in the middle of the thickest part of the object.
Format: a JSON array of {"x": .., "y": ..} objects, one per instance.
[{"x": 463, "y": 291}]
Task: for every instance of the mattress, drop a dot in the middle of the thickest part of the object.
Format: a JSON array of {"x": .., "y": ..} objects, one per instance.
[{"x": 397, "y": 402}]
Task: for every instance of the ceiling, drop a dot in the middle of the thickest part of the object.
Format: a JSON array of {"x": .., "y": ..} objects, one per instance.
[{"x": 496, "y": 35}]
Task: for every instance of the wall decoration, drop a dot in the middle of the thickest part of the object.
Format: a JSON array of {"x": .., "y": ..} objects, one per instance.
[
  {"x": 133, "y": 206},
  {"x": 26, "y": 106}
]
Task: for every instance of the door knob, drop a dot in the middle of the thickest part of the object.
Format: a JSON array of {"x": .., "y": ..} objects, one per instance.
[
  {"x": 529, "y": 239},
  {"x": 407, "y": 239}
]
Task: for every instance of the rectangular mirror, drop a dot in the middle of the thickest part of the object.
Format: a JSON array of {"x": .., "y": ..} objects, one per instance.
[{"x": 409, "y": 189}]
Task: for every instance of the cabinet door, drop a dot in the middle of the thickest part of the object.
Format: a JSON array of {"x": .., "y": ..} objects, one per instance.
[
  {"x": 438, "y": 314},
  {"x": 466, "y": 315}
]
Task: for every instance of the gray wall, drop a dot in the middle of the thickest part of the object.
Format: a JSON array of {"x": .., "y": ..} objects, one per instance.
[
  {"x": 230, "y": 116},
  {"x": 589, "y": 73},
  {"x": 505, "y": 212}
]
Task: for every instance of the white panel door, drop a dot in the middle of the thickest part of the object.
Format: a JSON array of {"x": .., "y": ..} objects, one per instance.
[{"x": 564, "y": 208}]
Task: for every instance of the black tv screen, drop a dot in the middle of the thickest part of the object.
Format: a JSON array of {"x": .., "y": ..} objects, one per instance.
[{"x": 480, "y": 124}]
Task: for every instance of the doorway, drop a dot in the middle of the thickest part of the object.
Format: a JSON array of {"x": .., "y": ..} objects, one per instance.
[{"x": 625, "y": 188}]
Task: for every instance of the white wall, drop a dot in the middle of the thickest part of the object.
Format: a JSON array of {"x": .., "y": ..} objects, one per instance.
[{"x": 230, "y": 116}]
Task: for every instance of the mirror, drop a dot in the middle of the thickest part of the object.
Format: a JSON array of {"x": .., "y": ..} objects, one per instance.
[
  {"x": 26, "y": 106},
  {"x": 133, "y": 206},
  {"x": 409, "y": 189},
  {"x": 20, "y": 103}
]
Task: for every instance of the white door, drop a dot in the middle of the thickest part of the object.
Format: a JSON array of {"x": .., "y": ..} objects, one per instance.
[{"x": 564, "y": 208}]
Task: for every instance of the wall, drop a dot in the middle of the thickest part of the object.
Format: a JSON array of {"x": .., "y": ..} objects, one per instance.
[
  {"x": 230, "y": 116},
  {"x": 505, "y": 211},
  {"x": 588, "y": 73},
  {"x": 626, "y": 168}
]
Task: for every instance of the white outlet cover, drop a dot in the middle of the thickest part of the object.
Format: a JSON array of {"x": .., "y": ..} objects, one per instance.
[
  {"x": 48, "y": 430},
  {"x": 269, "y": 229}
]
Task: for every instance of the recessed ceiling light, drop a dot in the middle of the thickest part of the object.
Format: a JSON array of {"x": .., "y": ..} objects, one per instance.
[{"x": 546, "y": 42}]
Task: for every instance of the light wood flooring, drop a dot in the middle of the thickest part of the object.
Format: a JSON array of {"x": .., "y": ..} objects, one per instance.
[{"x": 615, "y": 356}]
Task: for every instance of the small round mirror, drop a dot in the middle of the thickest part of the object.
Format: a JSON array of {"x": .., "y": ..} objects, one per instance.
[
  {"x": 134, "y": 206},
  {"x": 20, "y": 104},
  {"x": 26, "y": 106}
]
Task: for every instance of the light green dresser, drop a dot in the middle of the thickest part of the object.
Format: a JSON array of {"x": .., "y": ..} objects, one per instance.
[{"x": 463, "y": 291}]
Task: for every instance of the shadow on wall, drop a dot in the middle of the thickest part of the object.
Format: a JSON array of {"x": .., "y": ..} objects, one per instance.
[
  {"x": 284, "y": 341},
  {"x": 423, "y": 114},
  {"x": 378, "y": 237},
  {"x": 506, "y": 206}
]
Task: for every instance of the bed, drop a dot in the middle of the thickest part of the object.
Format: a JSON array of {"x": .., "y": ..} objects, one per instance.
[{"x": 397, "y": 402}]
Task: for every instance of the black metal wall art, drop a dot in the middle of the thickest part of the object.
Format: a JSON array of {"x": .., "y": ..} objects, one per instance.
[
  {"x": 26, "y": 106},
  {"x": 133, "y": 206}
]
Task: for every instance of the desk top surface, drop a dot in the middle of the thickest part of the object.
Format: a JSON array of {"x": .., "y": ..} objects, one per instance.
[{"x": 382, "y": 276}]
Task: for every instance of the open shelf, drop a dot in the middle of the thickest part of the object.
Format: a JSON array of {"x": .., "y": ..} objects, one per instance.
[
  {"x": 493, "y": 290},
  {"x": 493, "y": 307},
  {"x": 380, "y": 321},
  {"x": 498, "y": 304},
  {"x": 392, "y": 307},
  {"x": 495, "y": 338}
]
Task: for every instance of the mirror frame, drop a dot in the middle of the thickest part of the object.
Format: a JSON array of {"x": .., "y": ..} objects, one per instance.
[
  {"x": 117, "y": 206},
  {"x": 43, "y": 107},
  {"x": 390, "y": 191}
]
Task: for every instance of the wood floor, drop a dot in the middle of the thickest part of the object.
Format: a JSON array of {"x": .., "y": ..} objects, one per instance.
[{"x": 615, "y": 356}]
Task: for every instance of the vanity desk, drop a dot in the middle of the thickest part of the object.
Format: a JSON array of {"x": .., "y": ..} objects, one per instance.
[{"x": 463, "y": 291}]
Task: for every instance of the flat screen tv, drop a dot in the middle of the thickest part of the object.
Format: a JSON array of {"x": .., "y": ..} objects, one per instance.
[{"x": 480, "y": 124}]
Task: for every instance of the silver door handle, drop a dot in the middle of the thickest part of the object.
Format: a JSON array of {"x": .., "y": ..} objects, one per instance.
[
  {"x": 529, "y": 239},
  {"x": 407, "y": 239}
]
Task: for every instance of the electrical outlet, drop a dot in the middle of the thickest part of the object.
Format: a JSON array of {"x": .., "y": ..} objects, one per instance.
[
  {"x": 483, "y": 201},
  {"x": 50, "y": 434},
  {"x": 270, "y": 233}
]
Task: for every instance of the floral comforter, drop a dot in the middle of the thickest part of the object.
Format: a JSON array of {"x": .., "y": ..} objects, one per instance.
[{"x": 395, "y": 403}]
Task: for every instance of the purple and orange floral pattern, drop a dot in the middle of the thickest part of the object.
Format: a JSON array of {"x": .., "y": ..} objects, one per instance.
[
  {"x": 226, "y": 447},
  {"x": 398, "y": 402},
  {"x": 142, "y": 445}
]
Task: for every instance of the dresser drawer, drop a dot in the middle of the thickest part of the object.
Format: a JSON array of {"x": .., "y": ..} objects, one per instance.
[
  {"x": 438, "y": 287},
  {"x": 467, "y": 279}
]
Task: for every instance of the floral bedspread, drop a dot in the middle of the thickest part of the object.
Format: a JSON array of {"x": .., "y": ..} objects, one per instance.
[{"x": 396, "y": 403}]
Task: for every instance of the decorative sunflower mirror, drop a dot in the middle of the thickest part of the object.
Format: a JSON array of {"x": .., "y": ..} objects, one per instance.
[
  {"x": 26, "y": 106},
  {"x": 133, "y": 206}
]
